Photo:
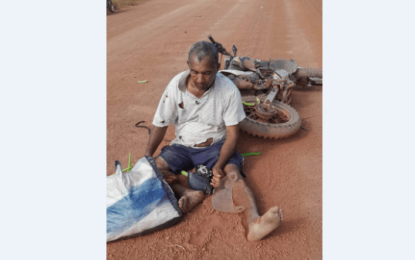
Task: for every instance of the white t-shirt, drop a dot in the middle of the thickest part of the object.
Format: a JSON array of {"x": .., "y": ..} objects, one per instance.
[{"x": 200, "y": 118}]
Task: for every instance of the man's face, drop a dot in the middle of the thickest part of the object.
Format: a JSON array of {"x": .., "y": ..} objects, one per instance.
[{"x": 202, "y": 73}]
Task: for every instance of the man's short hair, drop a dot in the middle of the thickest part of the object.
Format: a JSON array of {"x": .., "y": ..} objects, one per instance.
[{"x": 202, "y": 49}]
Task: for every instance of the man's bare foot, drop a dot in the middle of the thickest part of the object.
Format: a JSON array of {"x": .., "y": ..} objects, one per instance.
[
  {"x": 190, "y": 199},
  {"x": 265, "y": 224}
]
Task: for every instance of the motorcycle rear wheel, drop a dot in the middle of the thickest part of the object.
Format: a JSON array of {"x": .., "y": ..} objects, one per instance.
[
  {"x": 112, "y": 8},
  {"x": 308, "y": 73},
  {"x": 285, "y": 123}
]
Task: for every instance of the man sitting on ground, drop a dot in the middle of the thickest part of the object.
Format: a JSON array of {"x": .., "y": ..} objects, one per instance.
[{"x": 206, "y": 108}]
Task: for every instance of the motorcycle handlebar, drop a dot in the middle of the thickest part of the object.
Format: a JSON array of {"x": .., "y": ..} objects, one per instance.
[
  {"x": 219, "y": 47},
  {"x": 211, "y": 39}
]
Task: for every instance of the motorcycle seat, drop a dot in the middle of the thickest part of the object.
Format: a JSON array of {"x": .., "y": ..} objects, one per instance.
[{"x": 281, "y": 64}]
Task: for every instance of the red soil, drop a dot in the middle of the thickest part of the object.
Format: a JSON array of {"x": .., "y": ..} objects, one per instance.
[{"x": 150, "y": 42}]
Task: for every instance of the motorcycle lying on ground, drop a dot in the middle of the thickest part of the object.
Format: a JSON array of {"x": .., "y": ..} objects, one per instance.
[
  {"x": 110, "y": 6},
  {"x": 266, "y": 88}
]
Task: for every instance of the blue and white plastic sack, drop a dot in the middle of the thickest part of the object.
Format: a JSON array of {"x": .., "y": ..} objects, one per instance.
[{"x": 139, "y": 201}]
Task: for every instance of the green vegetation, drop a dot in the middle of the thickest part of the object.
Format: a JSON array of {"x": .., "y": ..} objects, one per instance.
[{"x": 123, "y": 3}]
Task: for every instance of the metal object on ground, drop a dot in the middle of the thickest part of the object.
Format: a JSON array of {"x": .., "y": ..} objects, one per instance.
[
  {"x": 198, "y": 182},
  {"x": 284, "y": 122},
  {"x": 316, "y": 81},
  {"x": 266, "y": 106},
  {"x": 200, "y": 179}
]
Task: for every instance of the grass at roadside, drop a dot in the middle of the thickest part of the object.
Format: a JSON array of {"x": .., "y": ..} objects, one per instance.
[{"x": 123, "y": 3}]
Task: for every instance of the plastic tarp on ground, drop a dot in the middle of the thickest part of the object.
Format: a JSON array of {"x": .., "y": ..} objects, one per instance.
[{"x": 139, "y": 201}]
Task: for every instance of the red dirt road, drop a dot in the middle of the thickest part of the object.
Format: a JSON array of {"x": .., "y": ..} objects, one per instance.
[{"x": 150, "y": 42}]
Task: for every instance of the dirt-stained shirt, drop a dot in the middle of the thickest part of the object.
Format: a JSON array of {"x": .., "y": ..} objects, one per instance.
[{"x": 198, "y": 119}]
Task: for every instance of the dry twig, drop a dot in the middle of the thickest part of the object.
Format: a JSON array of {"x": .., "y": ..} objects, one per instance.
[{"x": 178, "y": 246}]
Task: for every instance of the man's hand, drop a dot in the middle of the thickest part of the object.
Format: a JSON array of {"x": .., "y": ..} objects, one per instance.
[
  {"x": 218, "y": 174},
  {"x": 228, "y": 148}
]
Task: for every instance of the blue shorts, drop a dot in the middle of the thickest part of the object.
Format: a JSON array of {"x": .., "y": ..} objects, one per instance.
[{"x": 180, "y": 157}]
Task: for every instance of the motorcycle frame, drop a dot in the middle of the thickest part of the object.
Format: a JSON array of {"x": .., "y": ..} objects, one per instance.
[{"x": 281, "y": 81}]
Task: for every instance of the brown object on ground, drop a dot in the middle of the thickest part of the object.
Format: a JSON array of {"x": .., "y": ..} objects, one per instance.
[
  {"x": 283, "y": 123},
  {"x": 151, "y": 41}
]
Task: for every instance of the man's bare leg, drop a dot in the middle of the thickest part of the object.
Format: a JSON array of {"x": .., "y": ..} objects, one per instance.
[
  {"x": 258, "y": 226},
  {"x": 188, "y": 198}
]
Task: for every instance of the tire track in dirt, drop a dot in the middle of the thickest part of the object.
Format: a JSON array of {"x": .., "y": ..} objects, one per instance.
[{"x": 302, "y": 46}]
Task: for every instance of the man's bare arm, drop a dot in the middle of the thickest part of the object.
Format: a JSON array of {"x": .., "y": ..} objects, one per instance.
[
  {"x": 156, "y": 136},
  {"x": 228, "y": 148}
]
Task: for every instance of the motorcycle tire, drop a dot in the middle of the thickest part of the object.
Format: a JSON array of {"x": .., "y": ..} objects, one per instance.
[
  {"x": 112, "y": 8},
  {"x": 305, "y": 73},
  {"x": 257, "y": 127}
]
